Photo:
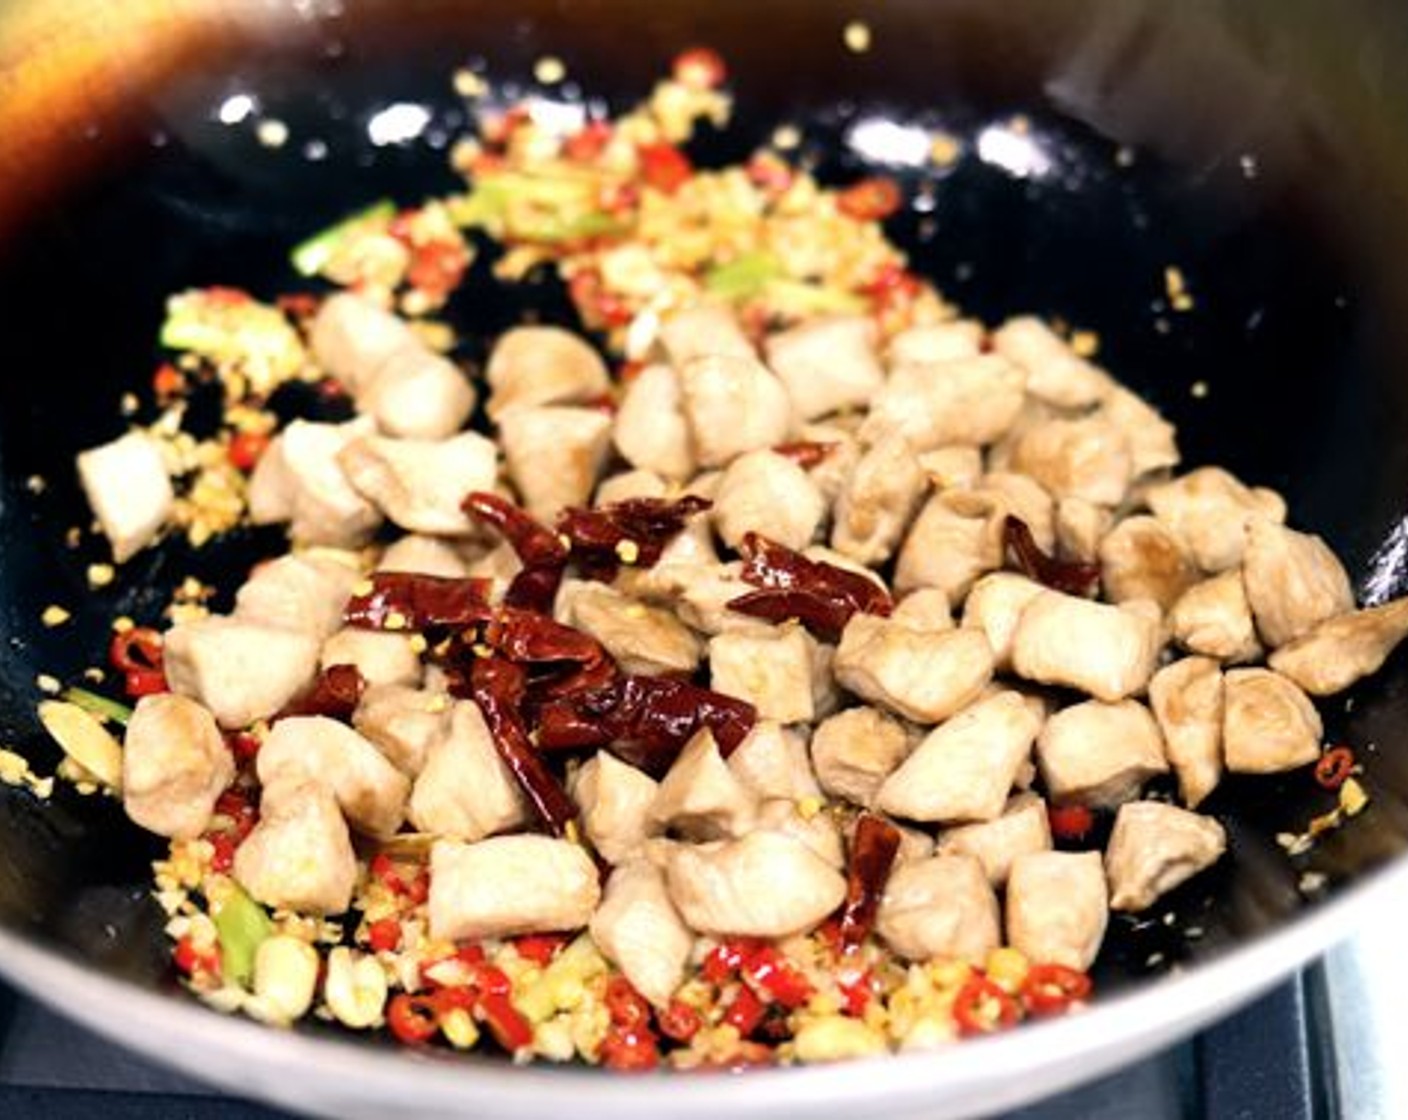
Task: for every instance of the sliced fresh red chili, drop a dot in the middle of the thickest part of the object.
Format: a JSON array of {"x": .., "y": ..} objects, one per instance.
[
  {"x": 384, "y": 936},
  {"x": 334, "y": 693},
  {"x": 542, "y": 552},
  {"x": 857, "y": 990},
  {"x": 806, "y": 453},
  {"x": 410, "y": 601},
  {"x": 632, "y": 532},
  {"x": 588, "y": 142},
  {"x": 540, "y": 948},
  {"x": 770, "y": 173},
  {"x": 1070, "y": 822},
  {"x": 437, "y": 267},
  {"x": 679, "y": 1022},
  {"x": 246, "y": 449},
  {"x": 626, "y": 1006},
  {"x": 981, "y": 1007},
  {"x": 699, "y": 68},
  {"x": 630, "y": 1050},
  {"x": 745, "y": 1011},
  {"x": 767, "y": 969},
  {"x": 870, "y": 200},
  {"x": 191, "y": 960},
  {"x": 145, "y": 682},
  {"x": 505, "y": 1022},
  {"x": 1052, "y": 988},
  {"x": 1070, "y": 576},
  {"x": 873, "y": 849},
  {"x": 413, "y": 1019},
  {"x": 723, "y": 961},
  {"x": 664, "y": 167},
  {"x": 822, "y": 596},
  {"x": 136, "y": 648},
  {"x": 1334, "y": 767},
  {"x": 168, "y": 382}
]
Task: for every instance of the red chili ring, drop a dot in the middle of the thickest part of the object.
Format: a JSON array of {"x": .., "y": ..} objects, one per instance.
[
  {"x": 1334, "y": 767},
  {"x": 1051, "y": 988}
]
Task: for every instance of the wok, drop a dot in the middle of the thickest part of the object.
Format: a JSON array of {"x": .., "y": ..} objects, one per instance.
[{"x": 1269, "y": 166}]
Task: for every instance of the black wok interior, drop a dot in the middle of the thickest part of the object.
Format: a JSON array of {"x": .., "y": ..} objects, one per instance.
[{"x": 1264, "y": 169}]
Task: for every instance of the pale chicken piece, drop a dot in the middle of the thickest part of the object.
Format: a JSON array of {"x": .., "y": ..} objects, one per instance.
[
  {"x": 1294, "y": 582},
  {"x": 1268, "y": 723},
  {"x": 1187, "y": 699},
  {"x": 936, "y": 342},
  {"x": 1152, "y": 446},
  {"x": 419, "y": 484},
  {"x": 299, "y": 856},
  {"x": 817, "y": 830},
  {"x": 703, "y": 329},
  {"x": 774, "y": 669},
  {"x": 615, "y": 799},
  {"x": 1056, "y": 374},
  {"x": 499, "y": 565},
  {"x": 175, "y": 765},
  {"x": 351, "y": 336},
  {"x": 369, "y": 789},
  {"x": 939, "y": 908},
  {"x": 242, "y": 671},
  {"x": 1155, "y": 847},
  {"x": 650, "y": 430},
  {"x": 629, "y": 485},
  {"x": 422, "y": 555},
  {"x": 294, "y": 592},
  {"x": 1080, "y": 527},
  {"x": 854, "y": 751},
  {"x": 878, "y": 501},
  {"x": 1213, "y": 618},
  {"x": 1343, "y": 649},
  {"x": 1057, "y": 907},
  {"x": 922, "y": 675},
  {"x": 842, "y": 453},
  {"x": 299, "y": 480},
  {"x": 1086, "y": 458},
  {"x": 465, "y": 791},
  {"x": 999, "y": 455},
  {"x": 681, "y": 560},
  {"x": 638, "y": 929},
  {"x": 971, "y": 401},
  {"x": 772, "y": 761},
  {"x": 1107, "y": 651},
  {"x": 533, "y": 366},
  {"x": 765, "y": 884},
  {"x": 827, "y": 365},
  {"x": 925, "y": 608},
  {"x": 705, "y": 590},
  {"x": 995, "y": 606},
  {"x": 1099, "y": 754},
  {"x": 510, "y": 885},
  {"x": 1006, "y": 492},
  {"x": 1140, "y": 558},
  {"x": 947, "y": 549},
  {"x": 554, "y": 455},
  {"x": 403, "y": 723},
  {"x": 700, "y": 798},
  {"x": 732, "y": 405},
  {"x": 949, "y": 468},
  {"x": 128, "y": 490},
  {"x": 418, "y": 394},
  {"x": 1022, "y": 827},
  {"x": 642, "y": 639},
  {"x": 1209, "y": 510},
  {"x": 914, "y": 844},
  {"x": 767, "y": 493},
  {"x": 965, "y": 768},
  {"x": 382, "y": 657}
]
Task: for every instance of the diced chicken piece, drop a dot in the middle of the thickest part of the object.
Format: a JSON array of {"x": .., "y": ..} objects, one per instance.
[
  {"x": 418, "y": 394},
  {"x": 878, "y": 501},
  {"x": 638, "y": 928},
  {"x": 765, "y": 884},
  {"x": 807, "y": 823},
  {"x": 554, "y": 455},
  {"x": 772, "y": 761},
  {"x": 615, "y": 799},
  {"x": 1055, "y": 373},
  {"x": 768, "y": 493},
  {"x": 688, "y": 554},
  {"x": 966, "y": 767},
  {"x": 940, "y": 907},
  {"x": 951, "y": 468},
  {"x": 1344, "y": 649},
  {"x": 1187, "y": 701},
  {"x": 1022, "y": 827},
  {"x": 650, "y": 430},
  {"x": 914, "y": 844},
  {"x": 299, "y": 856},
  {"x": 175, "y": 765},
  {"x": 701, "y": 798},
  {"x": 642, "y": 639},
  {"x": 1099, "y": 754},
  {"x": 419, "y": 484},
  {"x": 1080, "y": 527},
  {"x": 704, "y": 593},
  {"x": 1268, "y": 723},
  {"x": 843, "y": 452},
  {"x": 301, "y": 593},
  {"x": 936, "y": 342},
  {"x": 922, "y": 675},
  {"x": 403, "y": 723},
  {"x": 1000, "y": 455},
  {"x": 925, "y": 608},
  {"x": 499, "y": 565},
  {"x": 1140, "y": 558},
  {"x": 1086, "y": 458},
  {"x": 947, "y": 549},
  {"x": 827, "y": 365},
  {"x": 465, "y": 791},
  {"x": 421, "y": 555},
  {"x": 352, "y": 336},
  {"x": 1213, "y": 618},
  {"x": 1294, "y": 582},
  {"x": 1150, "y": 437},
  {"x": 733, "y": 405},
  {"x": 631, "y": 484},
  {"x": 510, "y": 885},
  {"x": 128, "y": 490},
  {"x": 242, "y": 671},
  {"x": 702, "y": 330},
  {"x": 370, "y": 790},
  {"x": 1155, "y": 847},
  {"x": 1209, "y": 511},
  {"x": 299, "y": 480},
  {"x": 1005, "y": 492},
  {"x": 381, "y": 657},
  {"x": 1108, "y": 651},
  {"x": 970, "y": 401},
  {"x": 776, "y": 670},
  {"x": 854, "y": 751},
  {"x": 995, "y": 606},
  {"x": 1057, "y": 907},
  {"x": 534, "y": 366}
]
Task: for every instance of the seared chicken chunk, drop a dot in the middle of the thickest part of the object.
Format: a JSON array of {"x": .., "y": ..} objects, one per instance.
[
  {"x": 650, "y": 430},
  {"x": 940, "y": 907},
  {"x": 827, "y": 365},
  {"x": 554, "y": 455},
  {"x": 1154, "y": 847},
  {"x": 952, "y": 468},
  {"x": 128, "y": 491},
  {"x": 1213, "y": 618},
  {"x": 422, "y": 555},
  {"x": 465, "y": 791},
  {"x": 1209, "y": 511},
  {"x": 1022, "y": 827},
  {"x": 403, "y": 723},
  {"x": 1344, "y": 649},
  {"x": 352, "y": 336},
  {"x": 1057, "y": 907},
  {"x": 854, "y": 751},
  {"x": 1055, "y": 373},
  {"x": 510, "y": 885},
  {"x": 772, "y": 761},
  {"x": 704, "y": 592},
  {"x": 644, "y": 640},
  {"x": 1268, "y": 724},
  {"x": 703, "y": 329},
  {"x": 1099, "y": 754},
  {"x": 382, "y": 657},
  {"x": 295, "y": 592},
  {"x": 532, "y": 366},
  {"x": 300, "y": 480},
  {"x": 418, "y": 394},
  {"x": 1140, "y": 558},
  {"x": 924, "y": 609},
  {"x": 1108, "y": 651},
  {"x": 817, "y": 830},
  {"x": 764, "y": 492},
  {"x": 615, "y": 799},
  {"x": 1080, "y": 527},
  {"x": 242, "y": 671},
  {"x": 701, "y": 798},
  {"x": 877, "y": 501},
  {"x": 1087, "y": 458},
  {"x": 299, "y": 856},
  {"x": 630, "y": 484},
  {"x": 638, "y": 928},
  {"x": 175, "y": 765},
  {"x": 936, "y": 404},
  {"x": 732, "y": 405},
  {"x": 936, "y": 342},
  {"x": 1294, "y": 582},
  {"x": 1187, "y": 701},
  {"x": 923, "y": 675},
  {"x": 778, "y": 670},
  {"x": 419, "y": 484},
  {"x": 1148, "y": 435},
  {"x": 995, "y": 606}
]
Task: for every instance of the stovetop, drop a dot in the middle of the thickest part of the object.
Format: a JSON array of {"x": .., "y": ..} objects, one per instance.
[{"x": 1326, "y": 1044}]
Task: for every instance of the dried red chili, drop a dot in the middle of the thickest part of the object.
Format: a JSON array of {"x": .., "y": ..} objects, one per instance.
[
  {"x": 821, "y": 596},
  {"x": 1070, "y": 822},
  {"x": 542, "y": 552},
  {"x": 873, "y": 199},
  {"x": 1334, "y": 767},
  {"x": 806, "y": 453},
  {"x": 335, "y": 693},
  {"x": 1070, "y": 576},
  {"x": 1051, "y": 988},
  {"x": 981, "y": 1007},
  {"x": 633, "y": 532},
  {"x": 528, "y": 638},
  {"x": 409, "y": 601},
  {"x": 413, "y": 1019},
  {"x": 873, "y": 849}
]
